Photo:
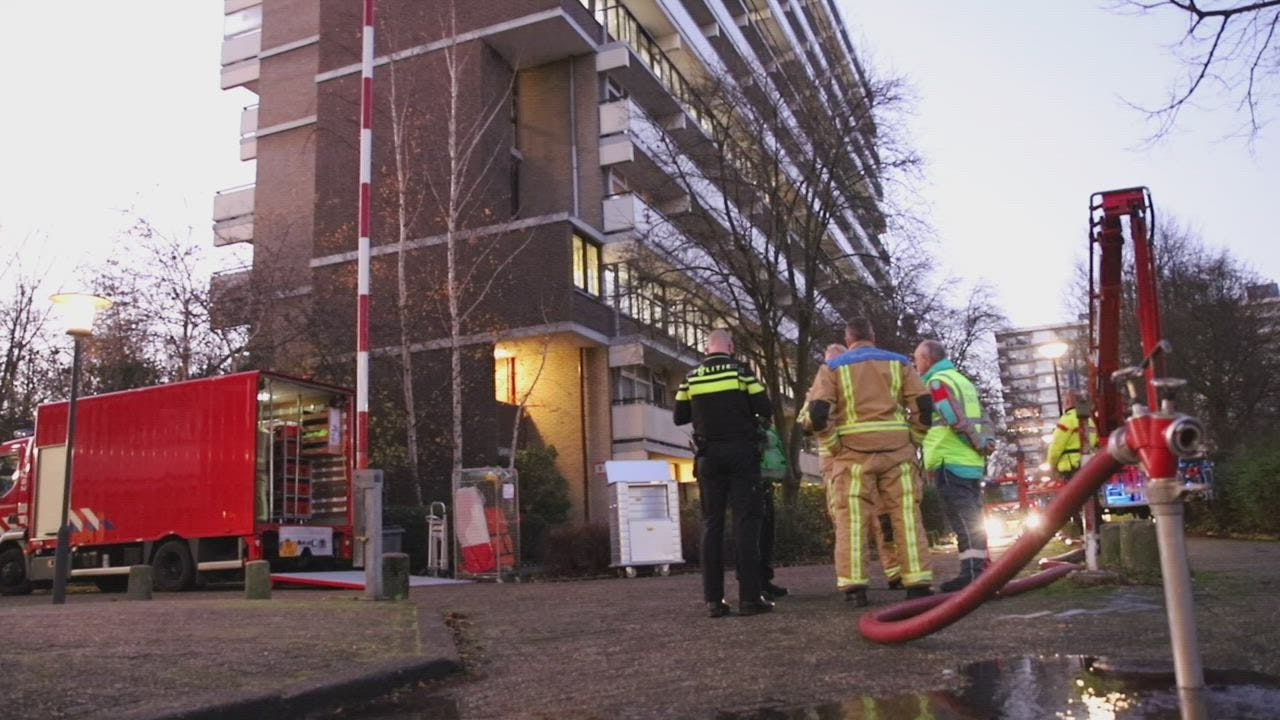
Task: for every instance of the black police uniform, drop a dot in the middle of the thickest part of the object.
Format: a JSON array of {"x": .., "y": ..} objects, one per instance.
[{"x": 724, "y": 401}]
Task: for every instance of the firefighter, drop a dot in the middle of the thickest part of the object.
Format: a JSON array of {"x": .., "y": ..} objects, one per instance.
[
  {"x": 955, "y": 450},
  {"x": 727, "y": 405},
  {"x": 1064, "y": 450},
  {"x": 882, "y": 529},
  {"x": 873, "y": 399}
]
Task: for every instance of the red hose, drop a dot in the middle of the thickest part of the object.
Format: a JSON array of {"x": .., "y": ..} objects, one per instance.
[{"x": 919, "y": 617}]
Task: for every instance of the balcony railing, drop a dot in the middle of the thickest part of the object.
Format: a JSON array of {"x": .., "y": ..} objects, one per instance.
[
  {"x": 644, "y": 421},
  {"x": 621, "y": 25}
]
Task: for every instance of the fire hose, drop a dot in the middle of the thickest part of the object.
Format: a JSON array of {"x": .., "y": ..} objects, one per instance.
[{"x": 919, "y": 617}]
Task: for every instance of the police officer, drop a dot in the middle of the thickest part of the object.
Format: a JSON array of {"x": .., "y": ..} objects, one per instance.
[
  {"x": 726, "y": 405},
  {"x": 875, "y": 400},
  {"x": 955, "y": 452}
]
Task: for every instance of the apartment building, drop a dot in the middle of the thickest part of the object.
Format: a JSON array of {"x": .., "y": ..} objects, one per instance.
[
  {"x": 1032, "y": 380},
  {"x": 565, "y": 104}
]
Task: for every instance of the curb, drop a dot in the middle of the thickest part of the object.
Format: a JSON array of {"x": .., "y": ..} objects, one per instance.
[{"x": 345, "y": 690}]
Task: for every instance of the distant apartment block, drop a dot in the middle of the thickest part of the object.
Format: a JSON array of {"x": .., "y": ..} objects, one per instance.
[
  {"x": 1030, "y": 385},
  {"x": 572, "y": 186}
]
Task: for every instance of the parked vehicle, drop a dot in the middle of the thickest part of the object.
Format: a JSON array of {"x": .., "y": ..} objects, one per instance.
[{"x": 195, "y": 478}]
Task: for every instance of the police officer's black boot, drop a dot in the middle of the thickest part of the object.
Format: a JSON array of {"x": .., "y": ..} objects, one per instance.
[
  {"x": 773, "y": 592},
  {"x": 755, "y": 607},
  {"x": 970, "y": 569},
  {"x": 718, "y": 608}
]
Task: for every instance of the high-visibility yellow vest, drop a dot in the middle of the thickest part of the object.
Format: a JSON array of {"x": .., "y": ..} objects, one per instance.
[{"x": 942, "y": 444}]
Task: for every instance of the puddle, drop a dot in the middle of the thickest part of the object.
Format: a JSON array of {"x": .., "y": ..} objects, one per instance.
[
  {"x": 1062, "y": 688},
  {"x": 1054, "y": 688}
]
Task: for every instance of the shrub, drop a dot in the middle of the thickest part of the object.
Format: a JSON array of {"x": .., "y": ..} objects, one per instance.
[
  {"x": 544, "y": 499},
  {"x": 581, "y": 550},
  {"x": 1247, "y": 491},
  {"x": 802, "y": 530}
]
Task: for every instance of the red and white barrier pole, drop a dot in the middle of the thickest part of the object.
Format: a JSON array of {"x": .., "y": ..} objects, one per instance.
[{"x": 362, "y": 251}]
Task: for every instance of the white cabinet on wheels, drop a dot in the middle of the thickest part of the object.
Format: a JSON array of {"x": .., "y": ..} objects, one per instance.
[{"x": 644, "y": 515}]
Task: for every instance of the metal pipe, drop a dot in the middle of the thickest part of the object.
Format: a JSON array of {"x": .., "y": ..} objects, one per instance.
[
  {"x": 1165, "y": 498},
  {"x": 62, "y": 557}
]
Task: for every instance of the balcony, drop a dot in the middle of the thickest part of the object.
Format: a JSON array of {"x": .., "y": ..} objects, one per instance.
[
  {"x": 241, "y": 43},
  {"x": 233, "y": 215},
  {"x": 642, "y": 426},
  {"x": 544, "y": 36},
  {"x": 638, "y": 61},
  {"x": 631, "y": 140},
  {"x": 229, "y": 298},
  {"x": 249, "y": 132}
]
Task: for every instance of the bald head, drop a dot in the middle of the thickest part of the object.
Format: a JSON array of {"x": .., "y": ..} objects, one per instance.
[
  {"x": 720, "y": 341},
  {"x": 927, "y": 354}
]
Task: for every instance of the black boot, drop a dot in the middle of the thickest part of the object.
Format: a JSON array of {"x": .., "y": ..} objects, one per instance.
[
  {"x": 919, "y": 591},
  {"x": 773, "y": 592},
  {"x": 718, "y": 608},
  {"x": 895, "y": 584},
  {"x": 755, "y": 607},
  {"x": 857, "y": 596},
  {"x": 970, "y": 569}
]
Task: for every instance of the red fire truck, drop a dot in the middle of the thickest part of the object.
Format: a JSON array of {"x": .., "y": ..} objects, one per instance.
[{"x": 194, "y": 478}]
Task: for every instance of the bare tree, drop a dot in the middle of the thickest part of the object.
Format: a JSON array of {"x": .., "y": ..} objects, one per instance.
[
  {"x": 23, "y": 326},
  {"x": 1230, "y": 49},
  {"x": 783, "y": 173}
]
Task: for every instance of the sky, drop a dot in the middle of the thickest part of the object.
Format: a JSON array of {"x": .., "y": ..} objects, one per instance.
[
  {"x": 113, "y": 111},
  {"x": 118, "y": 114},
  {"x": 1020, "y": 115}
]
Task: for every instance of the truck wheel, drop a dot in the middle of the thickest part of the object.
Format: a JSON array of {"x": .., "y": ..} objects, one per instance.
[
  {"x": 173, "y": 567},
  {"x": 13, "y": 573}
]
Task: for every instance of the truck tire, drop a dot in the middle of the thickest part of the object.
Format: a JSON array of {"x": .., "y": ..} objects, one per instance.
[
  {"x": 13, "y": 573},
  {"x": 174, "y": 569}
]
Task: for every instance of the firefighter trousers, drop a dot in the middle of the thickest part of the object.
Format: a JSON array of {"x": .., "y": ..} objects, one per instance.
[
  {"x": 859, "y": 479},
  {"x": 881, "y": 529}
]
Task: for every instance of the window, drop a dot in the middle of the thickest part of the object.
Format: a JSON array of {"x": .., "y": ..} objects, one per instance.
[
  {"x": 8, "y": 473},
  {"x": 639, "y": 384},
  {"x": 586, "y": 265}
]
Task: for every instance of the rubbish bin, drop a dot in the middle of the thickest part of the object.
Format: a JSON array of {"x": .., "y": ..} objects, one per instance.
[{"x": 391, "y": 539}]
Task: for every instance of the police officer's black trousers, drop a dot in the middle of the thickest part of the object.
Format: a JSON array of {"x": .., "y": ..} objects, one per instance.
[
  {"x": 766, "y": 532},
  {"x": 729, "y": 477}
]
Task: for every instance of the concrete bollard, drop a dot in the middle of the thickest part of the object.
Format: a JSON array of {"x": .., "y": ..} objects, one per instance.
[
  {"x": 395, "y": 576},
  {"x": 1109, "y": 557},
  {"x": 257, "y": 580},
  {"x": 141, "y": 579},
  {"x": 1144, "y": 550}
]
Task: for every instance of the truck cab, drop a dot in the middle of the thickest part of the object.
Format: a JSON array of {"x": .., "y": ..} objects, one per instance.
[{"x": 15, "y": 491}]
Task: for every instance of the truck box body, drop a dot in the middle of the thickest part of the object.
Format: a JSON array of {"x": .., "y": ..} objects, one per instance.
[
  {"x": 241, "y": 467},
  {"x": 175, "y": 459}
]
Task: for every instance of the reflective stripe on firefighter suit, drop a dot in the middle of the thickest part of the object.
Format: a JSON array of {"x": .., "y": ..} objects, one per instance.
[
  {"x": 1064, "y": 451},
  {"x": 868, "y": 392},
  {"x": 826, "y": 441}
]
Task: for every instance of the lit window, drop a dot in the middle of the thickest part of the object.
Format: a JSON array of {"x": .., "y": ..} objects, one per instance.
[{"x": 586, "y": 265}]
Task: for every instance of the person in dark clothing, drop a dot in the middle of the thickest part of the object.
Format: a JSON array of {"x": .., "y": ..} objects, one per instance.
[
  {"x": 725, "y": 403},
  {"x": 773, "y": 468}
]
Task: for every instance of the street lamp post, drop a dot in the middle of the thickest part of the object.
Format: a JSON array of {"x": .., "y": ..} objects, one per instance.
[{"x": 78, "y": 310}]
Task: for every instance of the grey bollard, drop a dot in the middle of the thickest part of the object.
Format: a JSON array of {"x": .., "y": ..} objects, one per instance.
[
  {"x": 1144, "y": 550},
  {"x": 257, "y": 580},
  {"x": 1109, "y": 555},
  {"x": 141, "y": 579},
  {"x": 395, "y": 576}
]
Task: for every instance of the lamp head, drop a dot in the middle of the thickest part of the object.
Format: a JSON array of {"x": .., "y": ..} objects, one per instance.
[
  {"x": 78, "y": 310},
  {"x": 1053, "y": 350}
]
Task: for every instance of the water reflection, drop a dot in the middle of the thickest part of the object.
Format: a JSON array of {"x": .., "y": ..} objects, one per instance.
[{"x": 1062, "y": 687}]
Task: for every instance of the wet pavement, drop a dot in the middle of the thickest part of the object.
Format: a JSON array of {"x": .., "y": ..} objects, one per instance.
[
  {"x": 1023, "y": 688},
  {"x": 643, "y": 648}
]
